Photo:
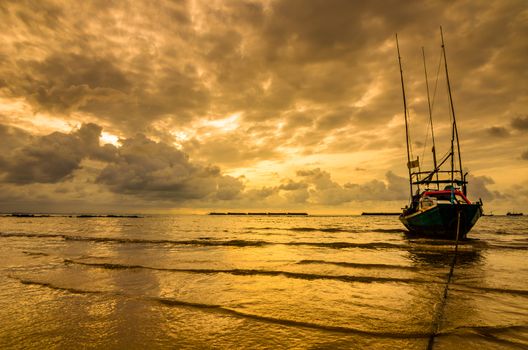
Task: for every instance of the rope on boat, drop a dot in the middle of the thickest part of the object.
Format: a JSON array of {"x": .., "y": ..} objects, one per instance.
[{"x": 440, "y": 312}]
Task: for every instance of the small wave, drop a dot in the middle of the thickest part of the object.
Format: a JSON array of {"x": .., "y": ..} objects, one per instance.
[
  {"x": 504, "y": 232},
  {"x": 388, "y": 230},
  {"x": 252, "y": 272},
  {"x": 206, "y": 242},
  {"x": 320, "y": 229},
  {"x": 495, "y": 329},
  {"x": 514, "y": 334},
  {"x": 291, "y": 323},
  {"x": 198, "y": 242},
  {"x": 512, "y": 246},
  {"x": 328, "y": 229},
  {"x": 201, "y": 241},
  {"x": 261, "y": 228},
  {"x": 494, "y": 290},
  {"x": 360, "y": 265},
  {"x": 52, "y": 286},
  {"x": 302, "y": 229},
  {"x": 35, "y": 253},
  {"x": 233, "y": 312},
  {"x": 342, "y": 245},
  {"x": 30, "y": 235}
]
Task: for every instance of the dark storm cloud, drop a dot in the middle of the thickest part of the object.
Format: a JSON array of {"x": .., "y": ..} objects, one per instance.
[
  {"x": 12, "y": 138},
  {"x": 67, "y": 82},
  {"x": 478, "y": 186},
  {"x": 139, "y": 167},
  {"x": 327, "y": 30},
  {"x": 520, "y": 123},
  {"x": 76, "y": 57},
  {"x": 498, "y": 131},
  {"x": 132, "y": 64},
  {"x": 158, "y": 171},
  {"x": 307, "y": 52},
  {"x": 51, "y": 158},
  {"x": 306, "y": 78}
]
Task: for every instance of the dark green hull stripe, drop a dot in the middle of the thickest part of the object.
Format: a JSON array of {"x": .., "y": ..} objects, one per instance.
[{"x": 442, "y": 220}]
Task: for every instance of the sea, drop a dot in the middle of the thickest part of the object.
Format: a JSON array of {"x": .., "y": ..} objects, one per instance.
[{"x": 259, "y": 282}]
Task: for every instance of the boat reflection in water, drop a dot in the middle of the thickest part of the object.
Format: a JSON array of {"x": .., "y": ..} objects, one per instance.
[{"x": 440, "y": 253}]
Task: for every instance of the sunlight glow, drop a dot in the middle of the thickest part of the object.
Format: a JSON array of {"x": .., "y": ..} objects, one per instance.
[
  {"x": 180, "y": 138},
  {"x": 17, "y": 111},
  {"x": 266, "y": 84},
  {"x": 226, "y": 124},
  {"x": 373, "y": 90},
  {"x": 8, "y": 105},
  {"x": 109, "y": 138},
  {"x": 180, "y": 135}
]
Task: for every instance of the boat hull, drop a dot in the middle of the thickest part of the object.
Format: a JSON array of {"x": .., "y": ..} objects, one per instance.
[{"x": 442, "y": 220}]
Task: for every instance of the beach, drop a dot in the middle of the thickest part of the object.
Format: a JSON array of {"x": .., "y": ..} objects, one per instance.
[{"x": 259, "y": 282}]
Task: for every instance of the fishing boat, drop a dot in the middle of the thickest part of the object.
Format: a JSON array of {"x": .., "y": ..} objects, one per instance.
[{"x": 439, "y": 206}]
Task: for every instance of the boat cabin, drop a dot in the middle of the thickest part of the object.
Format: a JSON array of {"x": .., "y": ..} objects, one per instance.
[{"x": 432, "y": 198}]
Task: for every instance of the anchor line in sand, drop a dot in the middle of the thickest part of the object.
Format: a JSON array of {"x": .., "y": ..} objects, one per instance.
[{"x": 440, "y": 311}]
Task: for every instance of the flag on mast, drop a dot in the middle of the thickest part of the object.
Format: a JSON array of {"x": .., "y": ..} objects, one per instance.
[{"x": 413, "y": 163}]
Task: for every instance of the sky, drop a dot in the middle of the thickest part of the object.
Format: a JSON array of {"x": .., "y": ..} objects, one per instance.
[{"x": 295, "y": 105}]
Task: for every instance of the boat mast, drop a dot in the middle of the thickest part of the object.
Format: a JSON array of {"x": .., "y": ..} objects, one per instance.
[
  {"x": 405, "y": 115},
  {"x": 454, "y": 133},
  {"x": 430, "y": 117}
]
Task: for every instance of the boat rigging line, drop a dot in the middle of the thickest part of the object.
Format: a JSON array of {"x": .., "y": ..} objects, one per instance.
[
  {"x": 406, "y": 117},
  {"x": 430, "y": 116},
  {"x": 455, "y": 129},
  {"x": 431, "y": 101},
  {"x": 436, "y": 80}
]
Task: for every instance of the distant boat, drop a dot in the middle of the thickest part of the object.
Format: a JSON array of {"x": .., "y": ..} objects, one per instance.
[
  {"x": 514, "y": 214},
  {"x": 434, "y": 211}
]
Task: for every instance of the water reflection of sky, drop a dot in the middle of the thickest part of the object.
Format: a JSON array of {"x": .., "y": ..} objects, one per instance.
[{"x": 191, "y": 281}]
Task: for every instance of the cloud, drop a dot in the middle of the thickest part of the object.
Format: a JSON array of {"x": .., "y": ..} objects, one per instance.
[
  {"x": 66, "y": 82},
  {"x": 56, "y": 169},
  {"x": 12, "y": 138},
  {"x": 155, "y": 170},
  {"x": 235, "y": 147},
  {"x": 478, "y": 188},
  {"x": 524, "y": 155},
  {"x": 122, "y": 65},
  {"x": 323, "y": 190},
  {"x": 291, "y": 185},
  {"x": 51, "y": 158},
  {"x": 520, "y": 123},
  {"x": 154, "y": 69},
  {"x": 498, "y": 131},
  {"x": 314, "y": 82},
  {"x": 295, "y": 192}
]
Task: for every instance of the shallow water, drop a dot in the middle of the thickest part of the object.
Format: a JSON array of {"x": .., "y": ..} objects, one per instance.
[{"x": 259, "y": 282}]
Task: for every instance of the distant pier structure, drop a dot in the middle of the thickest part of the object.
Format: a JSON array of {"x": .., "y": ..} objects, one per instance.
[
  {"x": 379, "y": 213},
  {"x": 259, "y": 213}
]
